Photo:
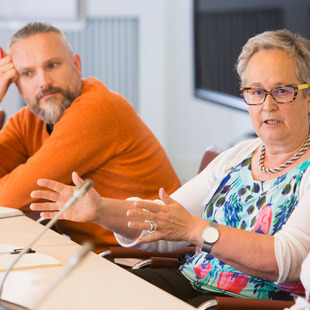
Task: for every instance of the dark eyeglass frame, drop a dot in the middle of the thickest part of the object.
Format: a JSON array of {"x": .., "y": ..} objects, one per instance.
[{"x": 294, "y": 86}]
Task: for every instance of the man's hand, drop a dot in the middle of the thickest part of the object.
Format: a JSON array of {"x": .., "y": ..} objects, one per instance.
[{"x": 8, "y": 74}]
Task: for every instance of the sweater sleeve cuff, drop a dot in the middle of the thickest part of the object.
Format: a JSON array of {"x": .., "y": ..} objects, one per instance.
[{"x": 129, "y": 243}]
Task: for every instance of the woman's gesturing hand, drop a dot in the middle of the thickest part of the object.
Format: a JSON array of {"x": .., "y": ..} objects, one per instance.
[
  {"x": 85, "y": 210},
  {"x": 172, "y": 221}
]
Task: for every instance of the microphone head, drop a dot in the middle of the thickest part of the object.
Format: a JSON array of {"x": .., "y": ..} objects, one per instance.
[
  {"x": 73, "y": 261},
  {"x": 80, "y": 255},
  {"x": 76, "y": 258}
]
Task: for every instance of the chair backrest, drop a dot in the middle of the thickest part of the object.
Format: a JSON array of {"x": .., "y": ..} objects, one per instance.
[
  {"x": 2, "y": 118},
  {"x": 210, "y": 153},
  {"x": 232, "y": 303}
]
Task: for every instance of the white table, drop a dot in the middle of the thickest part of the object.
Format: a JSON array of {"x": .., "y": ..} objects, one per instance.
[{"x": 95, "y": 284}]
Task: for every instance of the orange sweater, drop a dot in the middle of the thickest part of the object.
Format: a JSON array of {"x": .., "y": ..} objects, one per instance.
[{"x": 102, "y": 138}]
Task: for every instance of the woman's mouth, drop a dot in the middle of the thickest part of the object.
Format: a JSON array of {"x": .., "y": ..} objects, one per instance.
[{"x": 271, "y": 122}]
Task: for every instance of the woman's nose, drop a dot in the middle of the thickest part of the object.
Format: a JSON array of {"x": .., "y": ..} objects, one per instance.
[{"x": 270, "y": 103}]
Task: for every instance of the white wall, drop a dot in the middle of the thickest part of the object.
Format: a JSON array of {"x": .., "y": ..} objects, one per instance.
[
  {"x": 184, "y": 124},
  {"x": 152, "y": 71},
  {"x": 11, "y": 102},
  {"x": 194, "y": 123}
]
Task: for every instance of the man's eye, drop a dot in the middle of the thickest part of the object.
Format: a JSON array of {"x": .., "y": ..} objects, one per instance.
[
  {"x": 52, "y": 65},
  {"x": 27, "y": 73}
]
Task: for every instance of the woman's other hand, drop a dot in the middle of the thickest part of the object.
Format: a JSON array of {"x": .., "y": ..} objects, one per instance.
[
  {"x": 173, "y": 221},
  {"x": 84, "y": 210}
]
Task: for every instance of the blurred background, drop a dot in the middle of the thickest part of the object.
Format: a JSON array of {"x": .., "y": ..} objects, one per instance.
[{"x": 172, "y": 59}]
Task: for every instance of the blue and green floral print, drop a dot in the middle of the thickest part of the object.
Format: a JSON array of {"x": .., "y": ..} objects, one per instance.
[{"x": 257, "y": 206}]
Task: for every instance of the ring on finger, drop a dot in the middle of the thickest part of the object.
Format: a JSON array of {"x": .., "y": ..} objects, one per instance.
[{"x": 153, "y": 226}]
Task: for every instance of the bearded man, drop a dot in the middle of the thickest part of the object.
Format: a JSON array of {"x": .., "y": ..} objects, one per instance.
[{"x": 72, "y": 124}]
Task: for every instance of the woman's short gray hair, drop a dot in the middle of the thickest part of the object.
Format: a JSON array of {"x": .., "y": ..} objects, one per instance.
[{"x": 292, "y": 43}]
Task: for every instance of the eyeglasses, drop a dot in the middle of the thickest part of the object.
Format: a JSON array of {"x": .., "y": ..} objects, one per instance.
[{"x": 257, "y": 96}]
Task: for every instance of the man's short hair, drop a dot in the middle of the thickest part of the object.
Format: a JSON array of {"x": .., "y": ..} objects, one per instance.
[{"x": 32, "y": 29}]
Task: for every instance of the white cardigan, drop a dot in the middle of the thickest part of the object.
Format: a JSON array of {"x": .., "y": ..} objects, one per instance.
[{"x": 292, "y": 242}]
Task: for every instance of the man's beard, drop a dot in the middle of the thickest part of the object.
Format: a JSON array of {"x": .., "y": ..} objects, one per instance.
[{"x": 53, "y": 112}]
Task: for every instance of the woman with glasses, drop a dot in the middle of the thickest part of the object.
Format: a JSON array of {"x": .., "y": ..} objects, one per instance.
[{"x": 247, "y": 212}]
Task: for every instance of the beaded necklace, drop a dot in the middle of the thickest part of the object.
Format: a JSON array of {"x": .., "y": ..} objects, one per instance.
[{"x": 287, "y": 163}]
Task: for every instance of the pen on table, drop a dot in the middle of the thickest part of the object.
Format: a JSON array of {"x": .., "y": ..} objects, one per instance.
[
  {"x": 17, "y": 251},
  {"x": 1, "y": 53}
]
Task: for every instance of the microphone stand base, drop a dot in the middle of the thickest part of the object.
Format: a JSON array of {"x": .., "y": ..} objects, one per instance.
[{"x": 8, "y": 305}]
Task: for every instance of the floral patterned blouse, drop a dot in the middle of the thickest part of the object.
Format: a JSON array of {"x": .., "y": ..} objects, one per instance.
[{"x": 258, "y": 206}]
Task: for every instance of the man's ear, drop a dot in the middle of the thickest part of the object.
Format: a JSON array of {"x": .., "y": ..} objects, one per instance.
[{"x": 77, "y": 62}]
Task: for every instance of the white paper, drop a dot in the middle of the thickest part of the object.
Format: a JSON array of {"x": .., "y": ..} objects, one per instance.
[
  {"x": 9, "y": 212},
  {"x": 28, "y": 261}
]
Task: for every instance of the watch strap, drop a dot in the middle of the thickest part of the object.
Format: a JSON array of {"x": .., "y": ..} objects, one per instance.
[{"x": 206, "y": 247}]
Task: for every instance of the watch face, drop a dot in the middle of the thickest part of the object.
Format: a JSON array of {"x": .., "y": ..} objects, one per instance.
[{"x": 210, "y": 235}]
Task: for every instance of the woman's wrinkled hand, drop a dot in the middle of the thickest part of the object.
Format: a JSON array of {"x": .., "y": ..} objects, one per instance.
[
  {"x": 84, "y": 210},
  {"x": 173, "y": 221}
]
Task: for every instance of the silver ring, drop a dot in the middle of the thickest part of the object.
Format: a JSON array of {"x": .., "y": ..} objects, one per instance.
[{"x": 153, "y": 226}]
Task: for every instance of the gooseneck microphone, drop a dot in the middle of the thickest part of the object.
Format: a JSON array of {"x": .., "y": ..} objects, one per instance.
[
  {"x": 77, "y": 194},
  {"x": 74, "y": 260}
]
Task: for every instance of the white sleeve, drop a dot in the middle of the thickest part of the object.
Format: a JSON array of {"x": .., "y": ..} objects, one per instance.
[
  {"x": 158, "y": 246},
  {"x": 292, "y": 242}
]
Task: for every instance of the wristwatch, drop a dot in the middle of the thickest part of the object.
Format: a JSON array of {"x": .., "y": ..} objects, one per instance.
[{"x": 209, "y": 236}]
